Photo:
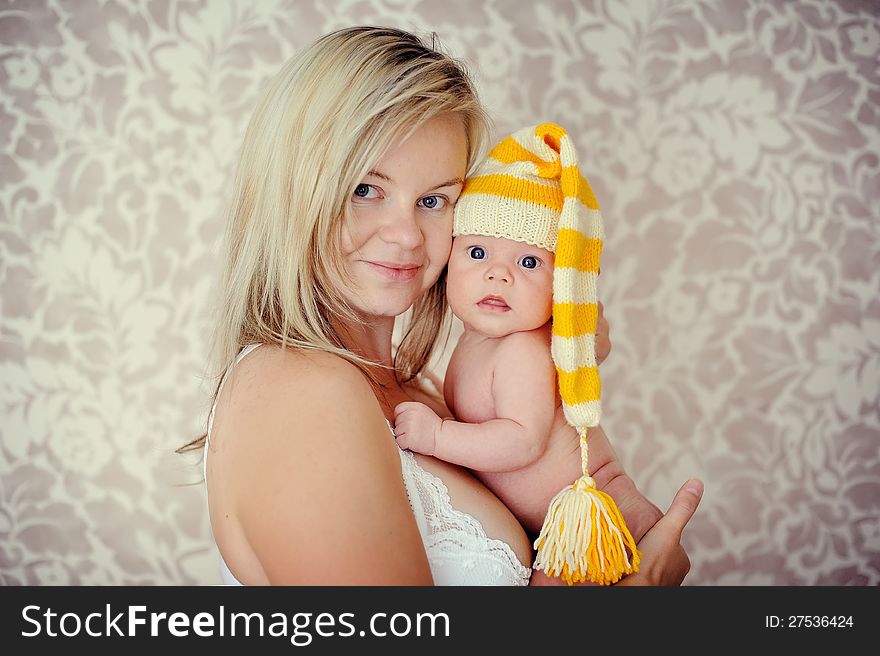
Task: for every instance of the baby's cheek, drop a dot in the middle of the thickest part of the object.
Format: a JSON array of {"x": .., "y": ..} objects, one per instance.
[
  {"x": 455, "y": 275},
  {"x": 548, "y": 307},
  {"x": 454, "y": 291}
]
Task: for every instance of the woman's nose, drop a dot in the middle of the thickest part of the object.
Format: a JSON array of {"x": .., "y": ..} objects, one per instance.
[{"x": 401, "y": 228}]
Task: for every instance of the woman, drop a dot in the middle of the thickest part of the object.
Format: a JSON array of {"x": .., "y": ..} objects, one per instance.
[{"x": 340, "y": 222}]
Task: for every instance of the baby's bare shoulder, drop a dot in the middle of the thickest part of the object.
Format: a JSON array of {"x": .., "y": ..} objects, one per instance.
[{"x": 530, "y": 344}]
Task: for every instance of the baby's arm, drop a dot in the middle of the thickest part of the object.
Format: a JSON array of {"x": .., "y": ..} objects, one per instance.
[{"x": 523, "y": 390}]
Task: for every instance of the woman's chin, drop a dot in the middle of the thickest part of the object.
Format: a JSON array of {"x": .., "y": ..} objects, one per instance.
[{"x": 383, "y": 307}]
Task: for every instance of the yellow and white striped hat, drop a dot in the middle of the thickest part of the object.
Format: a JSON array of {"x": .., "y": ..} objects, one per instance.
[{"x": 529, "y": 189}]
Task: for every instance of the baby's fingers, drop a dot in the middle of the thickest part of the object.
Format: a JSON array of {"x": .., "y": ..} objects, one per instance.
[{"x": 400, "y": 408}]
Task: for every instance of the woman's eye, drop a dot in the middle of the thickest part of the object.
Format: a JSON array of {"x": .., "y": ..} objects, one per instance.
[
  {"x": 433, "y": 202},
  {"x": 363, "y": 190},
  {"x": 476, "y": 253},
  {"x": 530, "y": 262}
]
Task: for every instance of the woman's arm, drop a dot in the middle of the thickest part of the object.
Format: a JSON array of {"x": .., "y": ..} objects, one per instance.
[
  {"x": 605, "y": 468},
  {"x": 640, "y": 514},
  {"x": 318, "y": 489}
]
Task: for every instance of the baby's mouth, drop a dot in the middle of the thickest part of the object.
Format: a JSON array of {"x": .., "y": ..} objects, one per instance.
[{"x": 494, "y": 304}]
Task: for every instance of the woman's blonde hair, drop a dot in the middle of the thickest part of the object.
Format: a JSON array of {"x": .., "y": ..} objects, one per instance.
[{"x": 325, "y": 120}]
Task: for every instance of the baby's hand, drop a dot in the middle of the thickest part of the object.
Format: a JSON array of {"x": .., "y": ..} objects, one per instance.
[{"x": 415, "y": 427}]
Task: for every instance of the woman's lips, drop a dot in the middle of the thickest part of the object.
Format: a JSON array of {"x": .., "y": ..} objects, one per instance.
[
  {"x": 394, "y": 271},
  {"x": 494, "y": 304}
]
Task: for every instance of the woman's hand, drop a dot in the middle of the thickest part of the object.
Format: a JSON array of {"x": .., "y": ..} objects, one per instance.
[
  {"x": 664, "y": 561},
  {"x": 603, "y": 336}
]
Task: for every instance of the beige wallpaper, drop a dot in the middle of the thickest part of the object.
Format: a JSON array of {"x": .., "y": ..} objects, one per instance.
[{"x": 733, "y": 147}]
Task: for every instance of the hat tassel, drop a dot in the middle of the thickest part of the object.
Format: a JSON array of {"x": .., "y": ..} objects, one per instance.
[{"x": 584, "y": 536}]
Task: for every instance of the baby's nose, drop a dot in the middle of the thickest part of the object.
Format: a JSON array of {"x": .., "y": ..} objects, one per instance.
[{"x": 498, "y": 273}]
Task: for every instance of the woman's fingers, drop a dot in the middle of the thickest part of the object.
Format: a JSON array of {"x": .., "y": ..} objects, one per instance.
[
  {"x": 603, "y": 336},
  {"x": 664, "y": 560},
  {"x": 683, "y": 506}
]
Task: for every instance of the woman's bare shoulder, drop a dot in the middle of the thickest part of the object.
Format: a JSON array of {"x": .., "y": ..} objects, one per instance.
[
  {"x": 302, "y": 430},
  {"x": 276, "y": 394},
  {"x": 298, "y": 369}
]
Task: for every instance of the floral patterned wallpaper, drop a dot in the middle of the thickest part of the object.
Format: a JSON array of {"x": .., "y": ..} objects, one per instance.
[{"x": 734, "y": 148}]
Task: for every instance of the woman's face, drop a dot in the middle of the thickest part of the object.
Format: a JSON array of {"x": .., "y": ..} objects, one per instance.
[{"x": 398, "y": 239}]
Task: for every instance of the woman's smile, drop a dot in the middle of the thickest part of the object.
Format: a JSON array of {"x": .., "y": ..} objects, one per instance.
[{"x": 393, "y": 271}]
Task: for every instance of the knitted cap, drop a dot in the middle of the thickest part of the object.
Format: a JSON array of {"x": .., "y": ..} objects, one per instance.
[{"x": 529, "y": 189}]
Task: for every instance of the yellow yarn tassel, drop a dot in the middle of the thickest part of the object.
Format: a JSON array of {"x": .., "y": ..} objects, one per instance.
[{"x": 584, "y": 536}]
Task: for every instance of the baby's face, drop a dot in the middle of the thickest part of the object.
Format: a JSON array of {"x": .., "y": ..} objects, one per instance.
[{"x": 498, "y": 286}]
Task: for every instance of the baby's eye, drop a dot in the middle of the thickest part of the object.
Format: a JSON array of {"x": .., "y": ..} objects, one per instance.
[
  {"x": 433, "y": 202},
  {"x": 364, "y": 190},
  {"x": 476, "y": 253},
  {"x": 529, "y": 262}
]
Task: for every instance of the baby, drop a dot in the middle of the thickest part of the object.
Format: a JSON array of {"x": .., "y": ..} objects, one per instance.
[{"x": 522, "y": 381}]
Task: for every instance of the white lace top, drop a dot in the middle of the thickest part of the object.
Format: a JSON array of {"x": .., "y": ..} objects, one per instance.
[{"x": 459, "y": 551}]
